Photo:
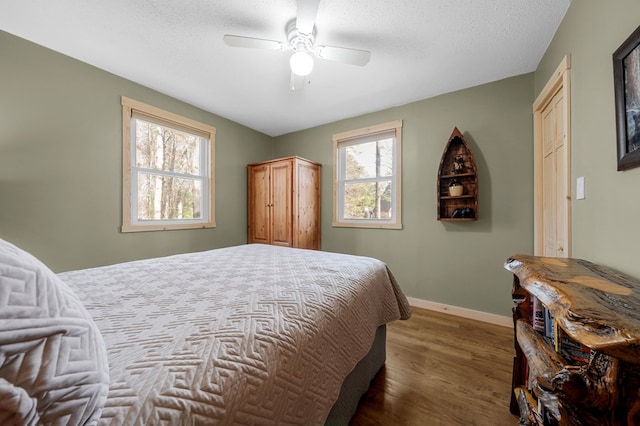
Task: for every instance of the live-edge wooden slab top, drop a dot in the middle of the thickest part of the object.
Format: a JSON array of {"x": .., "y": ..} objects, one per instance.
[{"x": 595, "y": 305}]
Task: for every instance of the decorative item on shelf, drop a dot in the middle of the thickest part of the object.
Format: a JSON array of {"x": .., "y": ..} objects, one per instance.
[
  {"x": 458, "y": 165},
  {"x": 455, "y": 188},
  {"x": 465, "y": 213}
]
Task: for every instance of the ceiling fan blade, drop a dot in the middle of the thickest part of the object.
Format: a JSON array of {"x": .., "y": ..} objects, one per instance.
[
  {"x": 255, "y": 43},
  {"x": 297, "y": 82},
  {"x": 344, "y": 55},
  {"x": 306, "y": 16}
]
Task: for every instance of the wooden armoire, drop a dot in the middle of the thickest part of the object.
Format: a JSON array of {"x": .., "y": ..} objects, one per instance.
[{"x": 284, "y": 203}]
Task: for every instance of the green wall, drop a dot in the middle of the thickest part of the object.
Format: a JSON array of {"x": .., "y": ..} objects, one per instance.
[
  {"x": 61, "y": 163},
  {"x": 603, "y": 224},
  {"x": 61, "y": 149},
  {"x": 453, "y": 263}
]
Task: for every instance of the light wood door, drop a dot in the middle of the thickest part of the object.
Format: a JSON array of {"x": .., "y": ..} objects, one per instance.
[
  {"x": 556, "y": 188},
  {"x": 281, "y": 203},
  {"x": 552, "y": 166},
  {"x": 259, "y": 199}
]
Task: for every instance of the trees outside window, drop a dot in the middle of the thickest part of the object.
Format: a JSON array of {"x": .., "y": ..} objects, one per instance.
[
  {"x": 168, "y": 171},
  {"x": 168, "y": 175},
  {"x": 367, "y": 178}
]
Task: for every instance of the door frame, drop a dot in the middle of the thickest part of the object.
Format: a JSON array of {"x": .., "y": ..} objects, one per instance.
[{"x": 560, "y": 81}]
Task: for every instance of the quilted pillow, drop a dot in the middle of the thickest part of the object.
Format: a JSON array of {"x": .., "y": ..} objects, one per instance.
[{"x": 53, "y": 361}]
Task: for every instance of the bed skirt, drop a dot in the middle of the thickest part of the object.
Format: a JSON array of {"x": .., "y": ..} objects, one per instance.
[{"x": 358, "y": 381}]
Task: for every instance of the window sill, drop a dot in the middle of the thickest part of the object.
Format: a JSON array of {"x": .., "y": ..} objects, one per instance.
[
  {"x": 165, "y": 227},
  {"x": 367, "y": 225}
]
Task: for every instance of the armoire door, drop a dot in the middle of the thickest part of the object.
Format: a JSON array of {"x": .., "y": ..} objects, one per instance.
[
  {"x": 259, "y": 199},
  {"x": 281, "y": 203},
  {"x": 306, "y": 206}
]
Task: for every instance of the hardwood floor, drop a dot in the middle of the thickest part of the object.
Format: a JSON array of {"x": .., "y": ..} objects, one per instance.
[{"x": 442, "y": 370}]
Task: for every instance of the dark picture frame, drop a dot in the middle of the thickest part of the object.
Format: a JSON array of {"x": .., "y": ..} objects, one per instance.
[{"x": 626, "y": 80}]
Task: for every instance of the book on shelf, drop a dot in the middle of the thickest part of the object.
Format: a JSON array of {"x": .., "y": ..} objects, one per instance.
[
  {"x": 543, "y": 322},
  {"x": 549, "y": 325},
  {"x": 550, "y": 328},
  {"x": 572, "y": 351},
  {"x": 538, "y": 315}
]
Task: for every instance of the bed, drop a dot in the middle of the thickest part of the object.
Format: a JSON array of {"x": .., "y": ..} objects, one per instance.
[{"x": 252, "y": 334}]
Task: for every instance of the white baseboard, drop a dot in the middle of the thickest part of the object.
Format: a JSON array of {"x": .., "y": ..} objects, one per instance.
[{"x": 462, "y": 312}]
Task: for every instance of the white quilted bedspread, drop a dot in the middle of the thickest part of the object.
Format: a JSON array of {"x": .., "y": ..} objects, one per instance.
[{"x": 250, "y": 335}]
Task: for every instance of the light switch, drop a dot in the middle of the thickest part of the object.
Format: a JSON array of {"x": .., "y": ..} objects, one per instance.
[{"x": 580, "y": 188}]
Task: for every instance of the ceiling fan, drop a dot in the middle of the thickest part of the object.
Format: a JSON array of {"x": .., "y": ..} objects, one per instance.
[{"x": 301, "y": 34}]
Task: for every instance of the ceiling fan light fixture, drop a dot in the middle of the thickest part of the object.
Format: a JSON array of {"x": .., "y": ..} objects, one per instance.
[
  {"x": 301, "y": 63},
  {"x": 301, "y": 37}
]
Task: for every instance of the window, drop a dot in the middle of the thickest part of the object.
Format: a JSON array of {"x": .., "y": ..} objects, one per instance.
[
  {"x": 367, "y": 170},
  {"x": 168, "y": 176}
]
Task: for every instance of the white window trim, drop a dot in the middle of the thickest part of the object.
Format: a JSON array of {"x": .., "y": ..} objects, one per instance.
[
  {"x": 346, "y": 137},
  {"x": 129, "y": 106}
]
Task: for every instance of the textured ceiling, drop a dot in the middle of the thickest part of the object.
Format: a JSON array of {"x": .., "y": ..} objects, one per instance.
[{"x": 419, "y": 49}]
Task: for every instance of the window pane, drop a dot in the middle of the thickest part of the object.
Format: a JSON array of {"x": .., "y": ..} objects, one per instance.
[
  {"x": 167, "y": 149},
  {"x": 165, "y": 197},
  {"x": 370, "y": 200},
  {"x": 369, "y": 159}
]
